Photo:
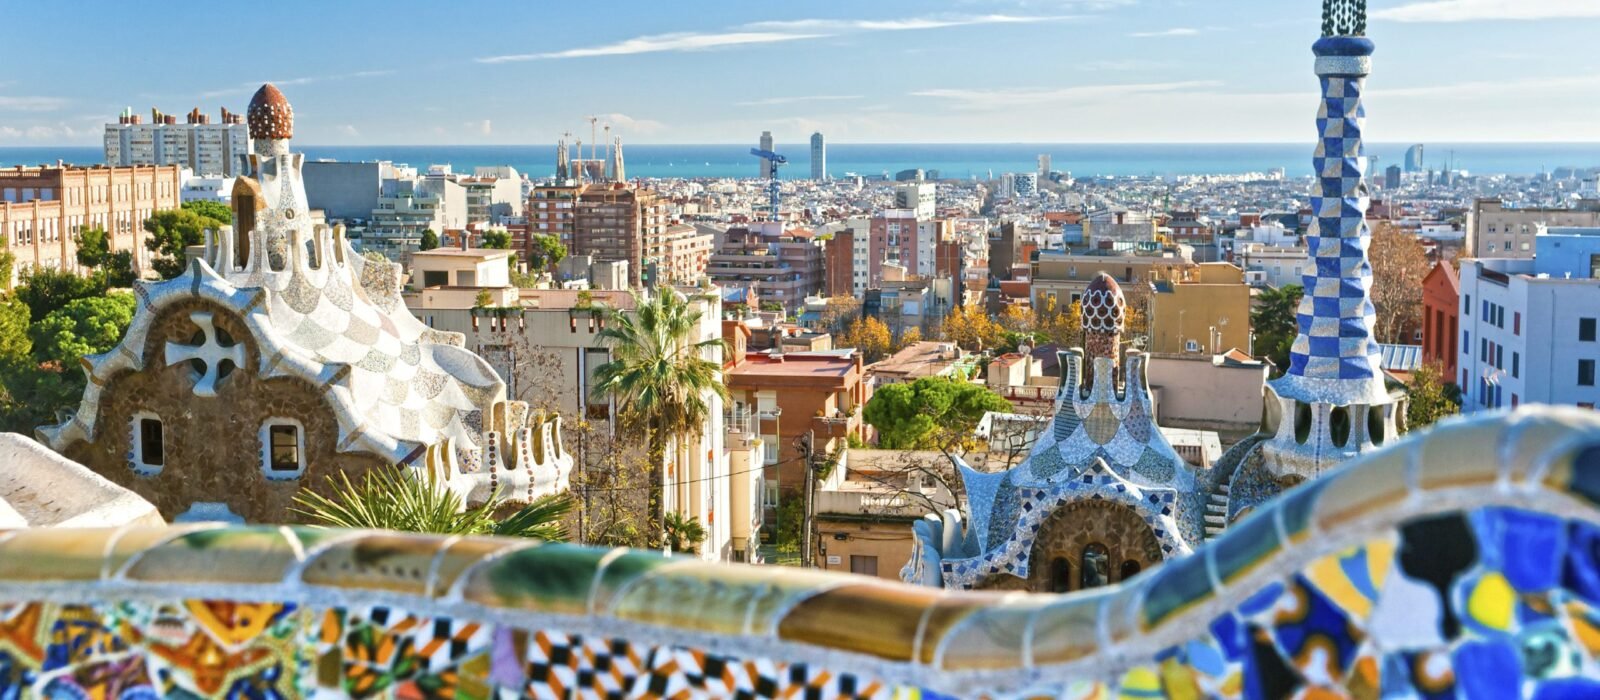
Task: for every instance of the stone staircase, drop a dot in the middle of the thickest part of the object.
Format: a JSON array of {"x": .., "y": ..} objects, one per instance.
[{"x": 1217, "y": 512}]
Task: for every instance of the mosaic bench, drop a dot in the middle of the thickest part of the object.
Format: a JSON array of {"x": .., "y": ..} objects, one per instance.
[{"x": 1463, "y": 562}]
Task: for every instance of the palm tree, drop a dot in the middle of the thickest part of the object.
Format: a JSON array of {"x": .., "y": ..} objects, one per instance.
[
  {"x": 683, "y": 532},
  {"x": 660, "y": 375},
  {"x": 391, "y": 499}
]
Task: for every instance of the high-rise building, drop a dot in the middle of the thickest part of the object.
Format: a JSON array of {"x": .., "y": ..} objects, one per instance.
[
  {"x": 617, "y": 222},
  {"x": 207, "y": 149},
  {"x": 1414, "y": 156},
  {"x": 766, "y": 164},
  {"x": 1044, "y": 165},
  {"x": 43, "y": 209},
  {"x": 916, "y": 196},
  {"x": 819, "y": 158},
  {"x": 1391, "y": 178}
]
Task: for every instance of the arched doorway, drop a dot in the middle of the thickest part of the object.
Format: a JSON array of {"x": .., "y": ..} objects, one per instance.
[{"x": 1088, "y": 543}]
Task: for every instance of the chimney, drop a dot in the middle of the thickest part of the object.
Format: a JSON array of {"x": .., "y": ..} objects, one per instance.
[{"x": 465, "y": 238}]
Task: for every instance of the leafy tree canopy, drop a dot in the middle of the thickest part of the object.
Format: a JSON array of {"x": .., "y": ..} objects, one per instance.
[
  {"x": 930, "y": 413},
  {"x": 1275, "y": 322},
  {"x": 173, "y": 231},
  {"x": 430, "y": 240},
  {"x": 497, "y": 239},
  {"x": 93, "y": 247},
  {"x": 547, "y": 251},
  {"x": 45, "y": 289},
  {"x": 82, "y": 327}
]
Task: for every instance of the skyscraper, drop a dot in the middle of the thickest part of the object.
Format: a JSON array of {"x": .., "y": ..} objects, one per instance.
[
  {"x": 819, "y": 158},
  {"x": 1414, "y": 156},
  {"x": 766, "y": 145}
]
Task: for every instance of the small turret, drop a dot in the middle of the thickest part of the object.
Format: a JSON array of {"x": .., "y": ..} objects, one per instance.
[{"x": 1103, "y": 315}]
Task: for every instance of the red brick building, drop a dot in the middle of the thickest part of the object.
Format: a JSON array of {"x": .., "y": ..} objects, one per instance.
[{"x": 1441, "y": 303}]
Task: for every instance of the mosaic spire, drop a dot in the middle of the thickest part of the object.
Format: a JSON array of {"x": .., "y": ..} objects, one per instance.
[
  {"x": 1103, "y": 311},
  {"x": 1335, "y": 357}
]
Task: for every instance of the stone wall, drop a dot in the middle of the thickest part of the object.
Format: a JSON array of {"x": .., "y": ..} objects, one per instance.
[
  {"x": 1067, "y": 533},
  {"x": 213, "y": 445}
]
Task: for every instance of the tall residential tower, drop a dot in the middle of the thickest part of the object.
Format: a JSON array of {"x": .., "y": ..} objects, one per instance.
[{"x": 819, "y": 158}]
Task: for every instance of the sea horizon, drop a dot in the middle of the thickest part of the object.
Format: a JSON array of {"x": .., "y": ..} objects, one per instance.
[{"x": 950, "y": 160}]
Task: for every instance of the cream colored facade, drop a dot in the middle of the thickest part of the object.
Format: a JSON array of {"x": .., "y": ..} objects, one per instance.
[
  {"x": 1203, "y": 309},
  {"x": 43, "y": 209},
  {"x": 546, "y": 344},
  {"x": 864, "y": 510},
  {"x": 1063, "y": 276},
  {"x": 1494, "y": 231}
]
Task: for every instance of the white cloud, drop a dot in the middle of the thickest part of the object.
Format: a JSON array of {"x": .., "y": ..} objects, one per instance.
[
  {"x": 657, "y": 43},
  {"x": 1477, "y": 10},
  {"x": 483, "y": 127},
  {"x": 31, "y": 104},
  {"x": 767, "y": 33},
  {"x": 349, "y": 130},
  {"x": 624, "y": 123},
  {"x": 1175, "y": 31},
  {"x": 1010, "y": 98},
  {"x": 771, "y": 101},
  {"x": 252, "y": 86},
  {"x": 835, "y": 26}
]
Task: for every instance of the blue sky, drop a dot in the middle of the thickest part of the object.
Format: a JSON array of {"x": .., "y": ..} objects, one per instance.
[{"x": 721, "y": 72}]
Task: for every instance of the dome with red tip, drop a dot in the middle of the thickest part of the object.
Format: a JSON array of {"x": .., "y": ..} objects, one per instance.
[
  {"x": 270, "y": 115},
  {"x": 1103, "y": 307}
]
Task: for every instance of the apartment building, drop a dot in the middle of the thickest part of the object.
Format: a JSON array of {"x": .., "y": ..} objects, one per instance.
[
  {"x": 1063, "y": 276},
  {"x": 781, "y": 266},
  {"x": 1441, "y": 313},
  {"x": 207, "y": 149},
  {"x": 1200, "y": 309},
  {"x": 43, "y": 208},
  {"x": 1497, "y": 231},
  {"x": 1529, "y": 326},
  {"x": 787, "y": 395},
  {"x": 613, "y": 222}
]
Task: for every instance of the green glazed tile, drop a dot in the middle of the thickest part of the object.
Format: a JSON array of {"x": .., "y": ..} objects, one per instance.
[
  {"x": 378, "y": 561},
  {"x": 1180, "y": 583},
  {"x": 224, "y": 555},
  {"x": 1244, "y": 545},
  {"x": 553, "y": 578},
  {"x": 692, "y": 595}
]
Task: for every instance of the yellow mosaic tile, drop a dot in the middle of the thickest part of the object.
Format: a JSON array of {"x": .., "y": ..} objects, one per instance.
[
  {"x": 233, "y": 555},
  {"x": 704, "y": 598},
  {"x": 1375, "y": 483},
  {"x": 1454, "y": 454},
  {"x": 389, "y": 562},
  {"x": 49, "y": 554},
  {"x": 838, "y": 619}
]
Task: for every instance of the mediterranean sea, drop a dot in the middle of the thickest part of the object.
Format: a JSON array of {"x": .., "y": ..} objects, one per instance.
[{"x": 960, "y": 161}]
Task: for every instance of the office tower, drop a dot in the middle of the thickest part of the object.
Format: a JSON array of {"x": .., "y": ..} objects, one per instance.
[
  {"x": 819, "y": 158},
  {"x": 1414, "y": 156},
  {"x": 1391, "y": 178},
  {"x": 766, "y": 165},
  {"x": 1044, "y": 165}
]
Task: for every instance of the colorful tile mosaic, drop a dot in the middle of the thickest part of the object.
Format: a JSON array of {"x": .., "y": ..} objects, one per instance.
[{"x": 1480, "y": 589}]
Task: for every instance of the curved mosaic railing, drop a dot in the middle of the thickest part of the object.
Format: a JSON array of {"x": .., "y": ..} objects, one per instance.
[{"x": 1461, "y": 560}]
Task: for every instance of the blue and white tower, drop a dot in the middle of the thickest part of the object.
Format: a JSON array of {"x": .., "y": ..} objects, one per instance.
[{"x": 1333, "y": 401}]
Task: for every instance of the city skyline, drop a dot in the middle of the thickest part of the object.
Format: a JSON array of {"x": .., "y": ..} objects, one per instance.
[{"x": 1059, "y": 71}]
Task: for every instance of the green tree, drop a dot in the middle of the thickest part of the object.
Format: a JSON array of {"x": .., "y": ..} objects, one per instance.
[
  {"x": 1431, "y": 398},
  {"x": 82, "y": 327},
  {"x": 15, "y": 344},
  {"x": 115, "y": 268},
  {"x": 173, "y": 231},
  {"x": 930, "y": 413},
  {"x": 430, "y": 240},
  {"x": 215, "y": 211},
  {"x": 93, "y": 247},
  {"x": 482, "y": 300},
  {"x": 546, "y": 252},
  {"x": 496, "y": 238},
  {"x": 1276, "y": 324},
  {"x": 46, "y": 289},
  {"x": 392, "y": 499},
  {"x": 660, "y": 376},
  {"x": 683, "y": 532},
  {"x": 8, "y": 264}
]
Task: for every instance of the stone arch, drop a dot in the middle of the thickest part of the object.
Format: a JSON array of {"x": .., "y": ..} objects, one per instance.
[{"x": 1070, "y": 531}]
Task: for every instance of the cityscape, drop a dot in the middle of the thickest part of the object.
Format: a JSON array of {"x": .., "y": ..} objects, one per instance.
[{"x": 662, "y": 378}]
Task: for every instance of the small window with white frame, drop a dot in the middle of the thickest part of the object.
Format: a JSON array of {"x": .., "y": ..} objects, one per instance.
[
  {"x": 283, "y": 449},
  {"x": 149, "y": 453}
]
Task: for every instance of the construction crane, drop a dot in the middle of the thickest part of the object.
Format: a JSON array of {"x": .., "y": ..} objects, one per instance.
[{"x": 774, "y": 161}]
